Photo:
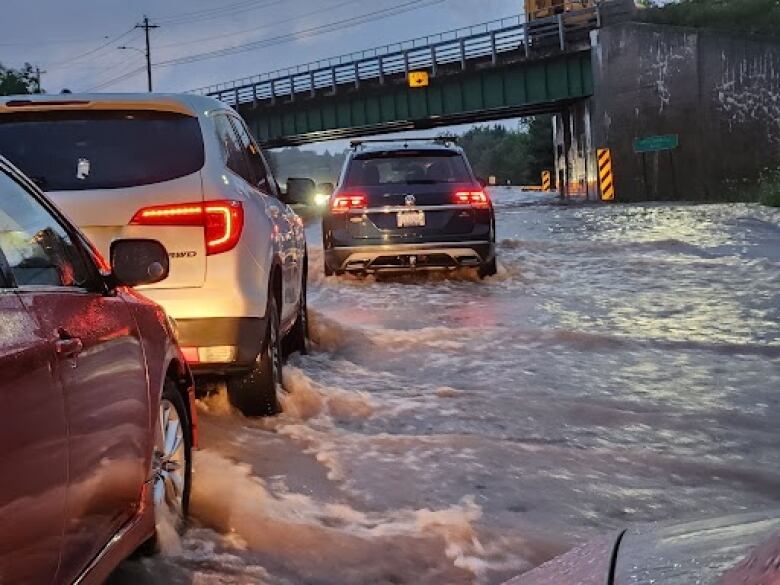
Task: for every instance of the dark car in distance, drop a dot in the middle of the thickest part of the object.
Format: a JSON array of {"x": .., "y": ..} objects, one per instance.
[
  {"x": 408, "y": 205},
  {"x": 97, "y": 417}
]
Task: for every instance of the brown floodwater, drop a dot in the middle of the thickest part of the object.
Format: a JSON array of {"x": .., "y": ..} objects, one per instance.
[{"x": 623, "y": 367}]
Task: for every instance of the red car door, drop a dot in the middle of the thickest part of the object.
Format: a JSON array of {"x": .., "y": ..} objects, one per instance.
[
  {"x": 33, "y": 434},
  {"x": 33, "y": 448},
  {"x": 100, "y": 364}
]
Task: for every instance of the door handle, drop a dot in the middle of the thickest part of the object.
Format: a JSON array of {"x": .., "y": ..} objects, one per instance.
[
  {"x": 273, "y": 212},
  {"x": 67, "y": 347}
]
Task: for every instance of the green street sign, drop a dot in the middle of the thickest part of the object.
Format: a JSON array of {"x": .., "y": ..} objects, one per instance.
[{"x": 656, "y": 143}]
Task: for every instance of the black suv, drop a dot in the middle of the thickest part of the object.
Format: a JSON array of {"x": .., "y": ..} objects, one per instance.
[{"x": 408, "y": 205}]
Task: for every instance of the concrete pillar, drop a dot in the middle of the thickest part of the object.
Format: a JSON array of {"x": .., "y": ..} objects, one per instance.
[{"x": 575, "y": 156}]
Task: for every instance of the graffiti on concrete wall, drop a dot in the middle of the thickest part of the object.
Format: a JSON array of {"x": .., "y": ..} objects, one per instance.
[
  {"x": 750, "y": 93},
  {"x": 669, "y": 59}
]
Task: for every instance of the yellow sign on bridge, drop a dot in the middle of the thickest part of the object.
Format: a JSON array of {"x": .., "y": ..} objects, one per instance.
[{"x": 419, "y": 79}]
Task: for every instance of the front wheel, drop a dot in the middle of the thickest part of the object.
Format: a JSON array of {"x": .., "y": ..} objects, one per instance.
[
  {"x": 171, "y": 468},
  {"x": 255, "y": 393}
]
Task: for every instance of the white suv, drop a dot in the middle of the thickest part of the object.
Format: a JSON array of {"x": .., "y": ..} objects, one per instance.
[{"x": 184, "y": 170}]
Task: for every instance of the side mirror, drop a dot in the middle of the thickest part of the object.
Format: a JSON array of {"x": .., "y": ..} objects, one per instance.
[
  {"x": 300, "y": 191},
  {"x": 139, "y": 262}
]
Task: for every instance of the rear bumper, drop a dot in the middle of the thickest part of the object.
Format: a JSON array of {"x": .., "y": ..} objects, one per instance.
[
  {"x": 244, "y": 333},
  {"x": 408, "y": 257}
]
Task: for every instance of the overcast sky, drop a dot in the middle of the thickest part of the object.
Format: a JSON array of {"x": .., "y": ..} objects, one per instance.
[{"x": 76, "y": 41}]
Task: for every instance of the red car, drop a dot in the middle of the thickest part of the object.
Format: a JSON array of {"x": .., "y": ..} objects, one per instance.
[{"x": 96, "y": 401}]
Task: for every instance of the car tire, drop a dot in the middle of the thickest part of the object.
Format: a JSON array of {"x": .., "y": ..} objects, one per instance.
[
  {"x": 255, "y": 392},
  {"x": 171, "y": 466},
  {"x": 297, "y": 339},
  {"x": 488, "y": 268}
]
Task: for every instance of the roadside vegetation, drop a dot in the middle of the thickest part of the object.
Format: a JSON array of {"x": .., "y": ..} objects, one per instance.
[
  {"x": 18, "y": 81},
  {"x": 747, "y": 16},
  {"x": 768, "y": 189},
  {"x": 517, "y": 156}
]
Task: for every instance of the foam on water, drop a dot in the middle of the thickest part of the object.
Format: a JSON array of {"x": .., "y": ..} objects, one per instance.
[{"x": 301, "y": 536}]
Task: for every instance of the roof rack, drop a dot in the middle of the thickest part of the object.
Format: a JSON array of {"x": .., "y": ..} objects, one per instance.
[{"x": 444, "y": 140}]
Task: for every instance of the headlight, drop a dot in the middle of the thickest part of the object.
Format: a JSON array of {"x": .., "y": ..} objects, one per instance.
[{"x": 321, "y": 200}]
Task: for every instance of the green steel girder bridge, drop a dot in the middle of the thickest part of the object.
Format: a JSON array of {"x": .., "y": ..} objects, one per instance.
[{"x": 496, "y": 70}]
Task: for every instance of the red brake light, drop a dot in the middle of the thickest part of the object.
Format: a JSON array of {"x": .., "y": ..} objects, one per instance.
[
  {"x": 224, "y": 224},
  {"x": 474, "y": 198},
  {"x": 190, "y": 354},
  {"x": 345, "y": 202},
  {"x": 223, "y": 221}
]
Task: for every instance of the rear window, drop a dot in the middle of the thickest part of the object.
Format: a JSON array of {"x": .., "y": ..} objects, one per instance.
[
  {"x": 407, "y": 168},
  {"x": 79, "y": 150}
]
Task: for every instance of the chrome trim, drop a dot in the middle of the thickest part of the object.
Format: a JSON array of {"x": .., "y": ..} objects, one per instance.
[
  {"x": 421, "y": 246},
  {"x": 457, "y": 254},
  {"x": 118, "y": 537},
  {"x": 397, "y": 208}
]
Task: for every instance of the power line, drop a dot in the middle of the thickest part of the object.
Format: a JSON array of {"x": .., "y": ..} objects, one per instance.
[
  {"x": 408, "y": 6},
  {"x": 120, "y": 64},
  {"x": 117, "y": 79},
  {"x": 50, "y": 43},
  {"x": 206, "y": 11},
  {"x": 111, "y": 41},
  {"x": 264, "y": 26},
  {"x": 218, "y": 12}
]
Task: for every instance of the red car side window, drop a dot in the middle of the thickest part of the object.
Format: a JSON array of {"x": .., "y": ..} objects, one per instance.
[{"x": 37, "y": 249}]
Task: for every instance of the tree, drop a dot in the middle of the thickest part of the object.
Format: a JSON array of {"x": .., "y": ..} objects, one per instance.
[
  {"x": 518, "y": 156},
  {"x": 19, "y": 81},
  {"x": 541, "y": 151},
  {"x": 750, "y": 16}
]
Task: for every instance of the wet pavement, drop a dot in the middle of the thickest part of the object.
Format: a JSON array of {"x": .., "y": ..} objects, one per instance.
[{"x": 623, "y": 367}]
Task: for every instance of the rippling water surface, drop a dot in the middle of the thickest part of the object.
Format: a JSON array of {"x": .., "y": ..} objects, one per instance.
[{"x": 624, "y": 366}]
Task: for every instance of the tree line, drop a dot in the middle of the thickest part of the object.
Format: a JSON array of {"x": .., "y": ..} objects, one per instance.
[
  {"x": 19, "y": 81},
  {"x": 746, "y": 16}
]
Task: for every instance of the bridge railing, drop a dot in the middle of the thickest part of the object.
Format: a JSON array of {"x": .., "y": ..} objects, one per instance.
[{"x": 485, "y": 41}]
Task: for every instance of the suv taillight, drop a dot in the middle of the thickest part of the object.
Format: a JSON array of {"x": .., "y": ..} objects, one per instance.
[
  {"x": 473, "y": 198},
  {"x": 344, "y": 202},
  {"x": 222, "y": 221}
]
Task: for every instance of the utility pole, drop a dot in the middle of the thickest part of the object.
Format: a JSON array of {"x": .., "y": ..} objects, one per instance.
[
  {"x": 38, "y": 74},
  {"x": 147, "y": 27}
]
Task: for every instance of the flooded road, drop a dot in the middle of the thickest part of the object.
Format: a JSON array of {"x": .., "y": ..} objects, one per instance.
[{"x": 623, "y": 367}]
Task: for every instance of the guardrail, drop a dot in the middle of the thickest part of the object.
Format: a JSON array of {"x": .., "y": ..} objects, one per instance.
[{"x": 487, "y": 40}]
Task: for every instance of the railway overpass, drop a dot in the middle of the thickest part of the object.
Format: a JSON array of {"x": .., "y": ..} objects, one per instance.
[
  {"x": 683, "y": 111},
  {"x": 496, "y": 70}
]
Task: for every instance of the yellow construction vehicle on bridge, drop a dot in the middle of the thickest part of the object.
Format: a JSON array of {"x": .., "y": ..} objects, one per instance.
[{"x": 536, "y": 9}]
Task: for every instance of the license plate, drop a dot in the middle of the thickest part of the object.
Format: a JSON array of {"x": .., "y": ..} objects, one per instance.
[{"x": 411, "y": 219}]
